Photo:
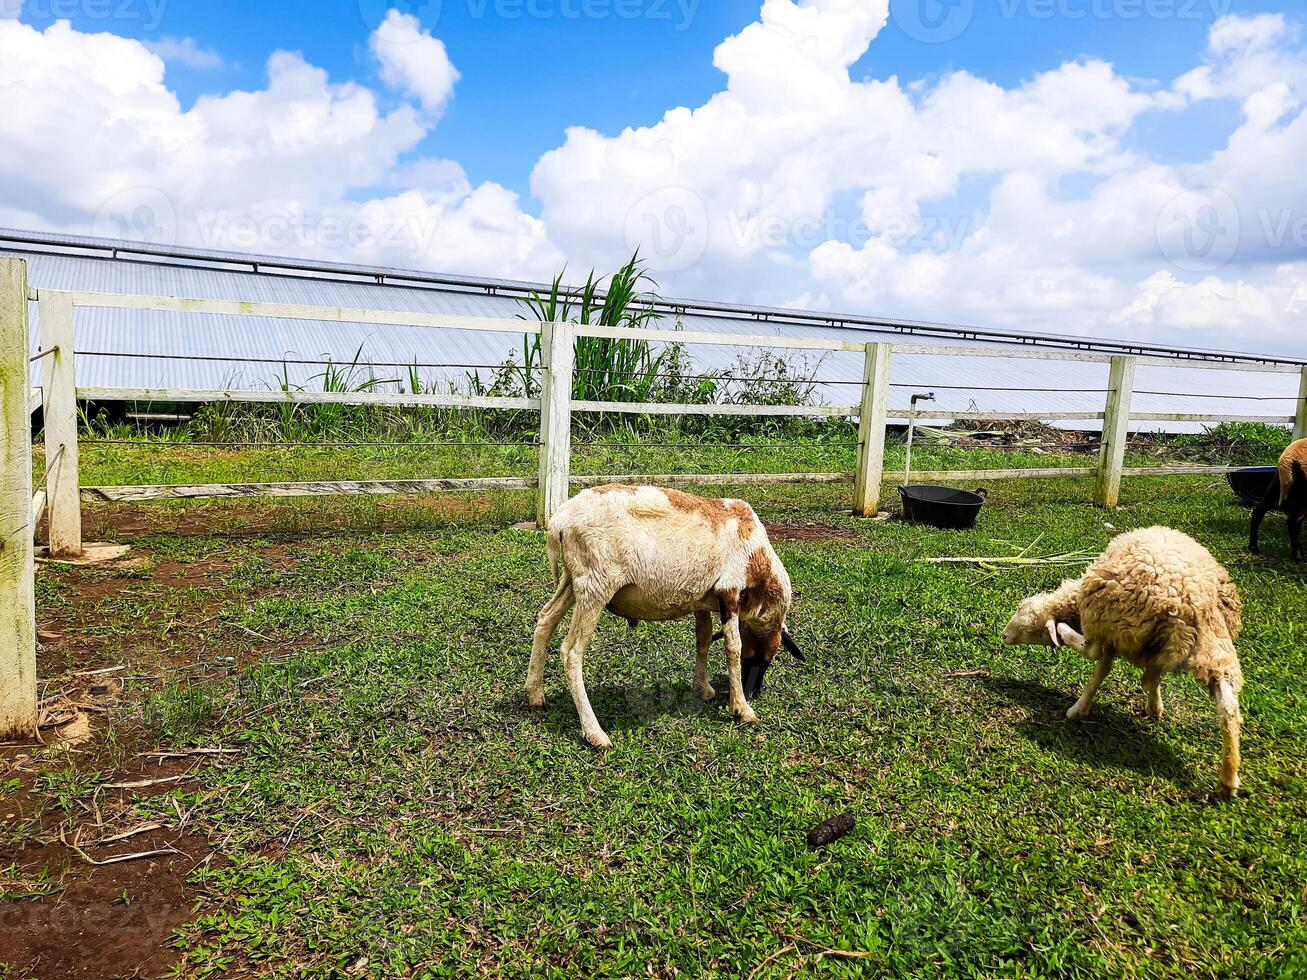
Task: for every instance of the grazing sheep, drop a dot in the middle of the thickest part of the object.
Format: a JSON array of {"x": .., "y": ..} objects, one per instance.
[
  {"x": 1158, "y": 599},
  {"x": 1289, "y": 495},
  {"x": 648, "y": 554}
]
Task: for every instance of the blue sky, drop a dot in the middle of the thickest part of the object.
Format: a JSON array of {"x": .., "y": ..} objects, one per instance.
[{"x": 1110, "y": 167}]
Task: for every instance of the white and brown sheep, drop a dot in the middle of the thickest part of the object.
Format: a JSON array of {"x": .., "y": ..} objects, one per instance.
[
  {"x": 649, "y": 554},
  {"x": 1158, "y": 599},
  {"x": 1289, "y": 494}
]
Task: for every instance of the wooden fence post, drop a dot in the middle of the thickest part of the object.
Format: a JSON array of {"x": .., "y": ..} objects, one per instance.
[
  {"x": 1116, "y": 431},
  {"x": 557, "y": 360},
  {"x": 59, "y": 382},
  {"x": 17, "y": 592},
  {"x": 871, "y": 431},
  {"x": 1300, "y": 420}
]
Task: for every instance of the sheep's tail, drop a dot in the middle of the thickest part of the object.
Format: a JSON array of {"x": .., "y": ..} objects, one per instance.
[
  {"x": 556, "y": 566},
  {"x": 1293, "y": 476},
  {"x": 1215, "y": 661},
  {"x": 1225, "y": 692},
  {"x": 1296, "y": 485}
]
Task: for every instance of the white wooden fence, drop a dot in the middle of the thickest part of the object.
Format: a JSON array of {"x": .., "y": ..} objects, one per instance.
[{"x": 62, "y": 493}]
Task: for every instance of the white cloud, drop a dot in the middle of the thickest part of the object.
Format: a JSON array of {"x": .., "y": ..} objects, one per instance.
[
  {"x": 293, "y": 167},
  {"x": 414, "y": 62},
  {"x": 1069, "y": 226},
  {"x": 954, "y": 198},
  {"x": 185, "y": 51}
]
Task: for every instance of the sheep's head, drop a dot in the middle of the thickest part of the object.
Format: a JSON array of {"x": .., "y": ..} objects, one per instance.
[
  {"x": 1036, "y": 620},
  {"x": 757, "y": 651},
  {"x": 1033, "y": 624},
  {"x": 764, "y": 605}
]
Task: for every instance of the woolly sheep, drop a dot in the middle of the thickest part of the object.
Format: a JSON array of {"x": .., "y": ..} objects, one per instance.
[
  {"x": 648, "y": 554},
  {"x": 1158, "y": 599},
  {"x": 1289, "y": 494}
]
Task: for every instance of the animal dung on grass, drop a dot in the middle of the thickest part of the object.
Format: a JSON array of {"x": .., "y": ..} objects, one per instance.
[{"x": 829, "y": 831}]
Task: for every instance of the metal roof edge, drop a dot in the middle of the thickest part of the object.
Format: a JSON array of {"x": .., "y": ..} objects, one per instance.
[{"x": 53, "y": 243}]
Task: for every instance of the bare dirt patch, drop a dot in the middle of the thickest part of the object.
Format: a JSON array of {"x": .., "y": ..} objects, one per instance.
[
  {"x": 65, "y": 916},
  {"x": 809, "y": 532},
  {"x": 108, "y": 640}
]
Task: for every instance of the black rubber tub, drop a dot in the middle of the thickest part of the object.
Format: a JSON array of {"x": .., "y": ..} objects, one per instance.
[
  {"x": 945, "y": 507},
  {"x": 1252, "y": 483}
]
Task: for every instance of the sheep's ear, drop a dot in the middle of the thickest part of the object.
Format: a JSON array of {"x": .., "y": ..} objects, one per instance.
[
  {"x": 1051, "y": 626},
  {"x": 791, "y": 646}
]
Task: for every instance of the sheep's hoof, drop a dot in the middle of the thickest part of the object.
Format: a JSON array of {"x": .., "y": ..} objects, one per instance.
[
  {"x": 706, "y": 693},
  {"x": 746, "y": 717},
  {"x": 600, "y": 741},
  {"x": 535, "y": 701},
  {"x": 1227, "y": 792},
  {"x": 1076, "y": 713}
]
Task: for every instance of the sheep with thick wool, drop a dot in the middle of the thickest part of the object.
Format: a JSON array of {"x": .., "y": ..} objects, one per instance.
[{"x": 1158, "y": 599}]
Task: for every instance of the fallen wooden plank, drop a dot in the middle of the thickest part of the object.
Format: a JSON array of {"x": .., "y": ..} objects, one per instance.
[
  {"x": 324, "y": 489},
  {"x": 142, "y": 494},
  {"x": 947, "y": 476},
  {"x": 705, "y": 479}
]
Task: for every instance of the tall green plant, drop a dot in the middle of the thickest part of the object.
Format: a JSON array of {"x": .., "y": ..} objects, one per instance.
[{"x": 622, "y": 369}]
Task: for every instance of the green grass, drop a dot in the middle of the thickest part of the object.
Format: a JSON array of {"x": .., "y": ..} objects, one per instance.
[
  {"x": 162, "y": 462},
  {"x": 397, "y": 808}
]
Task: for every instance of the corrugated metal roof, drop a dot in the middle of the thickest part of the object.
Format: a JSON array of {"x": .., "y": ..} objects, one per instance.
[{"x": 67, "y": 262}]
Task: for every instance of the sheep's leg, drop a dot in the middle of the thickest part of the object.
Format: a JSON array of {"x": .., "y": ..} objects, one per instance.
[
  {"x": 584, "y": 621},
  {"x": 1152, "y": 684},
  {"x": 1295, "y": 536},
  {"x": 734, "y": 650},
  {"x": 703, "y": 641},
  {"x": 1068, "y": 635},
  {"x": 1227, "y": 713},
  {"x": 1105, "y": 659},
  {"x": 546, "y": 623},
  {"x": 1269, "y": 503}
]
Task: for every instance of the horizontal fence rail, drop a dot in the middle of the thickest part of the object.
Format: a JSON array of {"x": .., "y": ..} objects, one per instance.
[
  {"x": 394, "y": 400},
  {"x": 287, "y": 311},
  {"x": 556, "y": 407}
]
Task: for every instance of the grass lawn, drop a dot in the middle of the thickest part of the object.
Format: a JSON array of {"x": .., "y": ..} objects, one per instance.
[{"x": 394, "y": 808}]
